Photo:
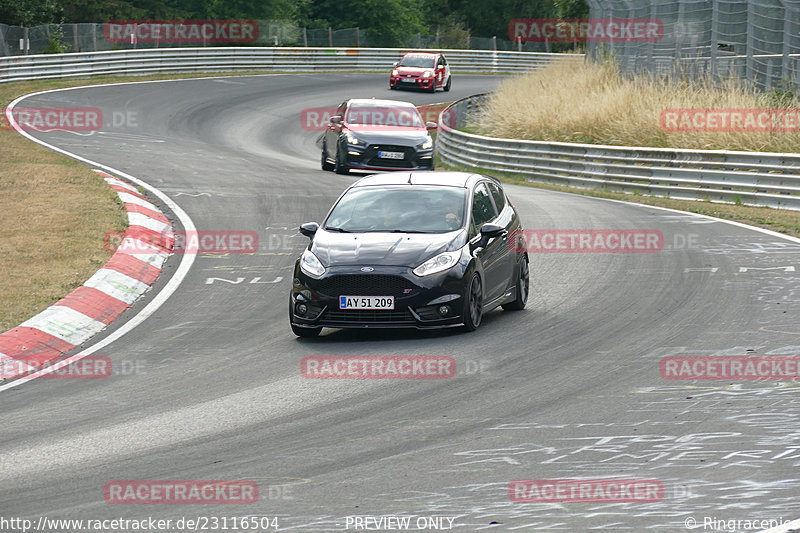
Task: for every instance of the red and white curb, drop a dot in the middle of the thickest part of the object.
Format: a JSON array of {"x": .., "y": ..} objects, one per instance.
[{"x": 88, "y": 309}]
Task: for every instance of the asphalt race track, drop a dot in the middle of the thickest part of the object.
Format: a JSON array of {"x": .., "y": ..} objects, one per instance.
[{"x": 209, "y": 387}]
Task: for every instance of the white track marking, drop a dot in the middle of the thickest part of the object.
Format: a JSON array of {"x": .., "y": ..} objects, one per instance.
[{"x": 158, "y": 300}]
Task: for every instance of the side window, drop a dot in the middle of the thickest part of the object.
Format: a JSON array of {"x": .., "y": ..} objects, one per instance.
[
  {"x": 482, "y": 207},
  {"x": 499, "y": 197},
  {"x": 443, "y": 60},
  {"x": 440, "y": 62}
]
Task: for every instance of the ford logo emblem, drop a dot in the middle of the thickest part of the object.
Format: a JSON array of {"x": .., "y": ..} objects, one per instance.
[{"x": 367, "y": 269}]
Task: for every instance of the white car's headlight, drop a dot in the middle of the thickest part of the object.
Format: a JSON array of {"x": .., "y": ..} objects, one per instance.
[
  {"x": 428, "y": 144},
  {"x": 352, "y": 139},
  {"x": 427, "y": 74},
  {"x": 311, "y": 265},
  {"x": 439, "y": 263}
]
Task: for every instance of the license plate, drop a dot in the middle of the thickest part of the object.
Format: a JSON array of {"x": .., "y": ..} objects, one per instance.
[
  {"x": 366, "y": 302},
  {"x": 408, "y": 80},
  {"x": 391, "y": 155}
]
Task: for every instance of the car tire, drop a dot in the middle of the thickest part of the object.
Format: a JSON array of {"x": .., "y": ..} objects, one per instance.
[
  {"x": 473, "y": 304},
  {"x": 433, "y": 86},
  {"x": 306, "y": 333},
  {"x": 340, "y": 167},
  {"x": 325, "y": 165},
  {"x": 523, "y": 287},
  {"x": 447, "y": 85}
]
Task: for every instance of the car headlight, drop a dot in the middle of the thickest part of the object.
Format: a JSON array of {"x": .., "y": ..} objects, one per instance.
[
  {"x": 428, "y": 74},
  {"x": 428, "y": 144},
  {"x": 394, "y": 72},
  {"x": 311, "y": 265},
  {"x": 352, "y": 139},
  {"x": 439, "y": 263}
]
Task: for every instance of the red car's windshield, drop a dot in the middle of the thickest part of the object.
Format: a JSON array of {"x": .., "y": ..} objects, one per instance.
[{"x": 416, "y": 61}]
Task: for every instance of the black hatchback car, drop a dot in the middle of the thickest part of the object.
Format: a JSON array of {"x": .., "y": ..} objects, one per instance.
[
  {"x": 372, "y": 134},
  {"x": 412, "y": 249}
]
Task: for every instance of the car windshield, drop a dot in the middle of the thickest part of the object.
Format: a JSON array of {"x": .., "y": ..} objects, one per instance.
[
  {"x": 402, "y": 209},
  {"x": 384, "y": 115},
  {"x": 416, "y": 61}
]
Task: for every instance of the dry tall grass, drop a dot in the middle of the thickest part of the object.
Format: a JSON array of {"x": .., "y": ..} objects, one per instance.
[{"x": 593, "y": 103}]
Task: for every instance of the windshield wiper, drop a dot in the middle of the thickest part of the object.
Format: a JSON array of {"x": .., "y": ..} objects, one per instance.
[{"x": 340, "y": 230}]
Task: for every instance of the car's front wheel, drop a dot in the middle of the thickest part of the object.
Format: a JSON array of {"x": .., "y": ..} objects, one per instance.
[
  {"x": 447, "y": 85},
  {"x": 325, "y": 164},
  {"x": 340, "y": 167},
  {"x": 523, "y": 287},
  {"x": 473, "y": 304}
]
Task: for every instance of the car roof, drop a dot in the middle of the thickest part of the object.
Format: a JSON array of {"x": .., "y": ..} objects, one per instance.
[
  {"x": 378, "y": 102},
  {"x": 447, "y": 179}
]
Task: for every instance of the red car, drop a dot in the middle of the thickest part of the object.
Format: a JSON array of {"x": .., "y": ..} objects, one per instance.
[{"x": 419, "y": 70}]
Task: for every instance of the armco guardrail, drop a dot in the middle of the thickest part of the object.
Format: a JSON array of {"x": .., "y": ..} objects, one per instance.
[
  {"x": 750, "y": 178},
  {"x": 166, "y": 60}
]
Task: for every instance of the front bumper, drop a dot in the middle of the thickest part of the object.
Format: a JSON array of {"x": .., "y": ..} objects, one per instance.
[
  {"x": 416, "y": 300},
  {"x": 367, "y": 157},
  {"x": 412, "y": 82}
]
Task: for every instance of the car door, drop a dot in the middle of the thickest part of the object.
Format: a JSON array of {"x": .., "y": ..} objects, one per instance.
[
  {"x": 505, "y": 217},
  {"x": 440, "y": 72},
  {"x": 491, "y": 256}
]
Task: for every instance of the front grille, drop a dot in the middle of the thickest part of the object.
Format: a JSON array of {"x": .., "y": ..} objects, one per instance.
[
  {"x": 389, "y": 163},
  {"x": 365, "y": 285},
  {"x": 372, "y": 159},
  {"x": 368, "y": 316}
]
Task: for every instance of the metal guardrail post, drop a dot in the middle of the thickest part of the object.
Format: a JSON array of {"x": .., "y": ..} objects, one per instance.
[{"x": 750, "y": 38}]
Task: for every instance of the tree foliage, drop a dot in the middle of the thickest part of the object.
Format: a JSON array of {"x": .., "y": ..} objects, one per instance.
[{"x": 390, "y": 22}]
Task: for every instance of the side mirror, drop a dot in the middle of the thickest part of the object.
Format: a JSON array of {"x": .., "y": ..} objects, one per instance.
[
  {"x": 309, "y": 229},
  {"x": 489, "y": 232},
  {"x": 431, "y": 125},
  {"x": 492, "y": 230},
  {"x": 336, "y": 120}
]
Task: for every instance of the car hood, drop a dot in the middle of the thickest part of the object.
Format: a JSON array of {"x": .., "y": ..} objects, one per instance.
[
  {"x": 416, "y": 71},
  {"x": 389, "y": 135},
  {"x": 382, "y": 249}
]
